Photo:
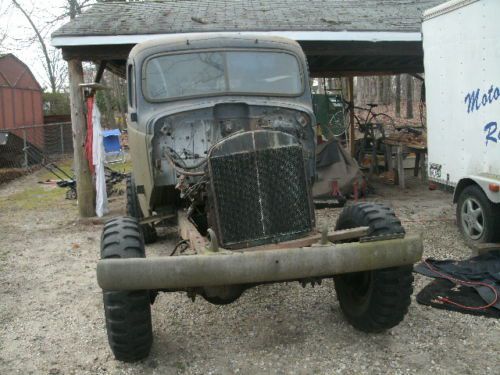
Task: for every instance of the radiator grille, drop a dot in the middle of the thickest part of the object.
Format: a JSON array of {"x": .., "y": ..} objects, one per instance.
[{"x": 261, "y": 196}]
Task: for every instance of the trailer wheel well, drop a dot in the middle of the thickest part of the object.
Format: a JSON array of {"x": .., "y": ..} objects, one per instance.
[{"x": 462, "y": 184}]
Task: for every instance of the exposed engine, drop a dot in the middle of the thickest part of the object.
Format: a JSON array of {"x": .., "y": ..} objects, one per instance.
[{"x": 246, "y": 171}]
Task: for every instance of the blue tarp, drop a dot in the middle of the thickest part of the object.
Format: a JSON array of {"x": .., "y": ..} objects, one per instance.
[{"x": 111, "y": 140}]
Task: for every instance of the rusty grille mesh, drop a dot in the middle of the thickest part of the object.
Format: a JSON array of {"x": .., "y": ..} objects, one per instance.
[{"x": 260, "y": 196}]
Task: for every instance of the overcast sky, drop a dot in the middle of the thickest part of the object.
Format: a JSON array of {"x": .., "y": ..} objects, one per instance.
[{"x": 19, "y": 31}]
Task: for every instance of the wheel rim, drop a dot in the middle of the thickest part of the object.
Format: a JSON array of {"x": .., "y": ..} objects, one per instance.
[{"x": 473, "y": 220}]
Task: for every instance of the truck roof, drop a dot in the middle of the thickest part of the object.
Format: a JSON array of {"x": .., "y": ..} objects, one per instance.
[
  {"x": 214, "y": 40},
  {"x": 445, "y": 8}
]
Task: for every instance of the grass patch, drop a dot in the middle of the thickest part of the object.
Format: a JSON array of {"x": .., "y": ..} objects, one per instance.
[
  {"x": 34, "y": 198},
  {"x": 39, "y": 196}
]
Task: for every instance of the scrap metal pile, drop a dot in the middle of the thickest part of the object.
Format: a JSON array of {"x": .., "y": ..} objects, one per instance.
[{"x": 410, "y": 137}]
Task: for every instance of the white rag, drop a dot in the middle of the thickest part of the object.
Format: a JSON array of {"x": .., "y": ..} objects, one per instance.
[{"x": 98, "y": 156}]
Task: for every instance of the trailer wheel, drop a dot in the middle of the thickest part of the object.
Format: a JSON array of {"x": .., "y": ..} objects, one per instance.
[
  {"x": 477, "y": 216},
  {"x": 374, "y": 301},
  {"x": 127, "y": 313},
  {"x": 134, "y": 210}
]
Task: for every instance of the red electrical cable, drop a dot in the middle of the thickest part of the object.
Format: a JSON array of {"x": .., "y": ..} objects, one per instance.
[{"x": 462, "y": 282}]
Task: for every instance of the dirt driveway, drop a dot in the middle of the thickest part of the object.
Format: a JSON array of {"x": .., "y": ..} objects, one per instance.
[{"x": 51, "y": 317}]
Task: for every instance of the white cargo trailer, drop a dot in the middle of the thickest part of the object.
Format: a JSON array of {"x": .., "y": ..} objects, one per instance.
[{"x": 461, "y": 40}]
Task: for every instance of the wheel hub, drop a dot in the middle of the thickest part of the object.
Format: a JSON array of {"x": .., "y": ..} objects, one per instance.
[{"x": 472, "y": 218}]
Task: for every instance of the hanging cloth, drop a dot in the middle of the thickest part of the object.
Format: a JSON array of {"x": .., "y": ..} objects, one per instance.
[
  {"x": 98, "y": 156},
  {"x": 89, "y": 136}
]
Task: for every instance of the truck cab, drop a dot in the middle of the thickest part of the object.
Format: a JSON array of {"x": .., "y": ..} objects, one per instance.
[{"x": 187, "y": 95}]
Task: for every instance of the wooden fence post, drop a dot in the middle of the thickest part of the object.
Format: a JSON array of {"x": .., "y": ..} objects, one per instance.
[{"x": 84, "y": 186}]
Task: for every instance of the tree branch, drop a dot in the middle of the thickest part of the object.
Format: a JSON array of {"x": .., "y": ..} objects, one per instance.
[{"x": 43, "y": 46}]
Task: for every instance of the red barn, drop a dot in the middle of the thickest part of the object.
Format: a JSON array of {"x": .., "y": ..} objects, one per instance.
[{"x": 21, "y": 103}]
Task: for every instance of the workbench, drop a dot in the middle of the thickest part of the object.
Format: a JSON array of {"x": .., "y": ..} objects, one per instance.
[{"x": 399, "y": 149}]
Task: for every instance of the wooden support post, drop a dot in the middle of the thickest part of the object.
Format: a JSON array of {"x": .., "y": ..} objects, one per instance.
[
  {"x": 84, "y": 186},
  {"x": 423, "y": 169},
  {"x": 352, "y": 140},
  {"x": 417, "y": 163},
  {"x": 388, "y": 158}
]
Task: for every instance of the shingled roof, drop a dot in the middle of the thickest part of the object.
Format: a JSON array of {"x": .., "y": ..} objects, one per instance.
[
  {"x": 185, "y": 16},
  {"x": 338, "y": 36}
]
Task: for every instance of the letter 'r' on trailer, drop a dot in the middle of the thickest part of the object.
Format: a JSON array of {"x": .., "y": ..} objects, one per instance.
[{"x": 461, "y": 40}]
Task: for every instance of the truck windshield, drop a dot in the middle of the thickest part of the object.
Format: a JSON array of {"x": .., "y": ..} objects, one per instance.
[{"x": 195, "y": 74}]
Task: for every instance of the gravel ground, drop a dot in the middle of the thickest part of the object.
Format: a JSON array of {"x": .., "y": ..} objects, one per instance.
[{"x": 51, "y": 316}]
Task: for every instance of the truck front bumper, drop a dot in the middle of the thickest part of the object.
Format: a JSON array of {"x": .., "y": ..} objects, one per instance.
[{"x": 259, "y": 266}]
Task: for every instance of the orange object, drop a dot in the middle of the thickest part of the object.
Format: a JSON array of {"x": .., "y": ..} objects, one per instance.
[{"x": 495, "y": 188}]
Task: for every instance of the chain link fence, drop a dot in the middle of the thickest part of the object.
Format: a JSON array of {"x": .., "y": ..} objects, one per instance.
[{"x": 23, "y": 149}]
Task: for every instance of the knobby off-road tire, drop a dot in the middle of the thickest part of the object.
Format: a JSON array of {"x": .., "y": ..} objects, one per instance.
[
  {"x": 374, "y": 301},
  {"x": 134, "y": 210},
  {"x": 477, "y": 217},
  {"x": 128, "y": 313}
]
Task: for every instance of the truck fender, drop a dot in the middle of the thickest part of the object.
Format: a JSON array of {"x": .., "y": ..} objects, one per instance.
[{"x": 481, "y": 180}]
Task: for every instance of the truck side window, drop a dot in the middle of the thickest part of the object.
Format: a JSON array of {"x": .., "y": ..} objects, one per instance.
[{"x": 131, "y": 86}]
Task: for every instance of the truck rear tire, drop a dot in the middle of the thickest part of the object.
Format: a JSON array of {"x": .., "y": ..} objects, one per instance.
[
  {"x": 134, "y": 210},
  {"x": 127, "y": 313},
  {"x": 477, "y": 216},
  {"x": 377, "y": 300}
]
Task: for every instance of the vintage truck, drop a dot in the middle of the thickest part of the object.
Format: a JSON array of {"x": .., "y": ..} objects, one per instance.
[
  {"x": 222, "y": 146},
  {"x": 462, "y": 75}
]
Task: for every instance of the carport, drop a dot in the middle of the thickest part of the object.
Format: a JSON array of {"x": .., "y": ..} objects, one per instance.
[{"x": 341, "y": 38}]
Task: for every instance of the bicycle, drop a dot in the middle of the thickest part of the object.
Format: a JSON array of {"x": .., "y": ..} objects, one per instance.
[
  {"x": 384, "y": 121},
  {"x": 374, "y": 127}
]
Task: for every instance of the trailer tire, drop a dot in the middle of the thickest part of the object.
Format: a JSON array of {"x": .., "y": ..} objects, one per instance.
[
  {"x": 473, "y": 200},
  {"x": 134, "y": 210},
  {"x": 377, "y": 300},
  {"x": 127, "y": 313}
]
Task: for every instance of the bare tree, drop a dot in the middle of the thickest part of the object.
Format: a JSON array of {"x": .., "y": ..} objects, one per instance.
[
  {"x": 55, "y": 68},
  {"x": 386, "y": 98},
  {"x": 3, "y": 36},
  {"x": 360, "y": 89},
  {"x": 380, "y": 89},
  {"x": 48, "y": 61},
  {"x": 398, "y": 95},
  {"x": 4, "y": 26},
  {"x": 409, "y": 96}
]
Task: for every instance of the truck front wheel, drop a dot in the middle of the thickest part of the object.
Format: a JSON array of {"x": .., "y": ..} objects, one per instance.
[
  {"x": 127, "y": 313},
  {"x": 477, "y": 216},
  {"x": 374, "y": 301}
]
